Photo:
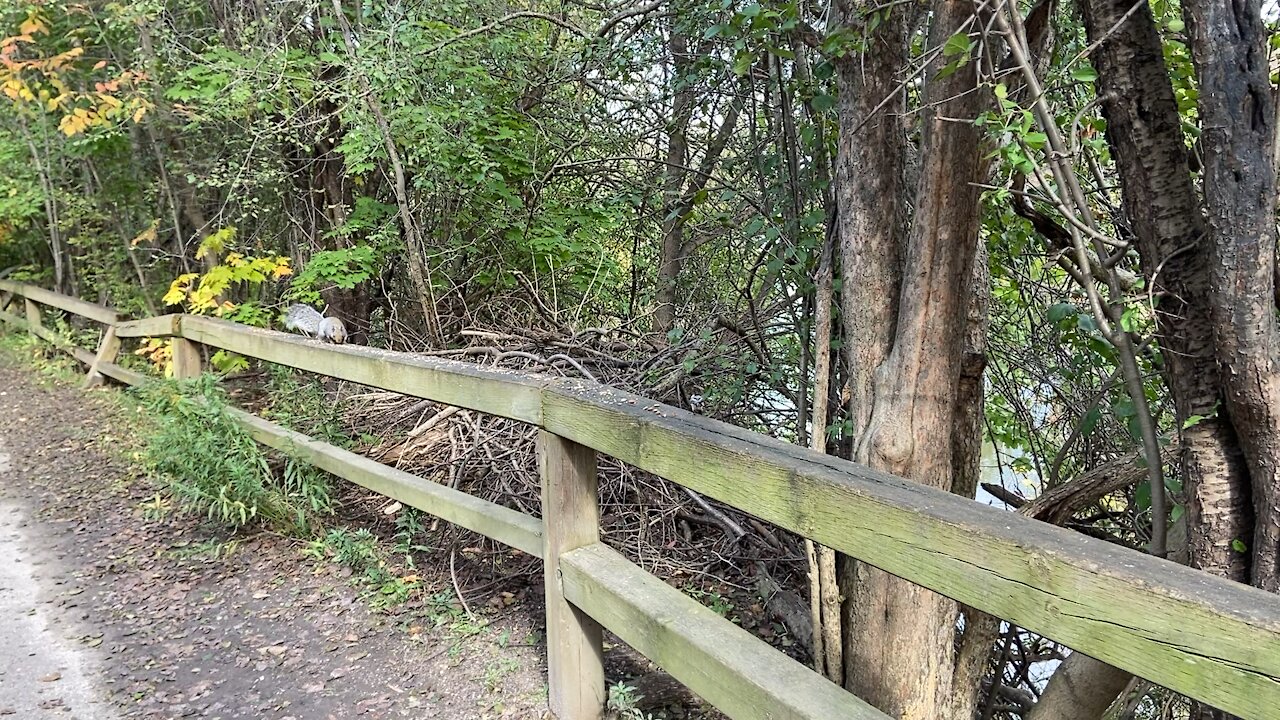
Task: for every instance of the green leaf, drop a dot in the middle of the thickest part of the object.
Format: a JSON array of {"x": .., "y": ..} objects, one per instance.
[
  {"x": 1176, "y": 25},
  {"x": 1129, "y": 319},
  {"x": 1239, "y": 546},
  {"x": 957, "y": 44},
  {"x": 1084, "y": 73},
  {"x": 1061, "y": 311},
  {"x": 823, "y": 103},
  {"x": 1090, "y": 421},
  {"x": 1123, "y": 408},
  {"x": 950, "y": 68}
]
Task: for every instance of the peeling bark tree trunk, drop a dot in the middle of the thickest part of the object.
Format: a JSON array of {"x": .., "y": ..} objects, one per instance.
[
  {"x": 905, "y": 308},
  {"x": 1229, "y": 46},
  {"x": 1162, "y": 206},
  {"x": 1179, "y": 261}
]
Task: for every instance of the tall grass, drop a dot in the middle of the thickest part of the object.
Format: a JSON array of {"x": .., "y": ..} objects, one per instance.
[{"x": 214, "y": 467}]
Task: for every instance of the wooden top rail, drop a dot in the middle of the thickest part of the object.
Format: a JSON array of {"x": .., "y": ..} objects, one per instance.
[
  {"x": 1206, "y": 637},
  {"x": 62, "y": 302}
]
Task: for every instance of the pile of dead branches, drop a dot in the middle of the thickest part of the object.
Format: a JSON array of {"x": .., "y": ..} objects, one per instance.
[{"x": 665, "y": 528}]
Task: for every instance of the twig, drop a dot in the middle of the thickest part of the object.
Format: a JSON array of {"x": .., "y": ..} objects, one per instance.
[
  {"x": 453, "y": 573},
  {"x": 734, "y": 529}
]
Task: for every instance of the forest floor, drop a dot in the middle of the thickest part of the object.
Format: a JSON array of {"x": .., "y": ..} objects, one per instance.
[{"x": 116, "y": 606}]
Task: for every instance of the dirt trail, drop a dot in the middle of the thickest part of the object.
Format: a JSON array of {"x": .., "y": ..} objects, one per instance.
[{"x": 137, "y": 616}]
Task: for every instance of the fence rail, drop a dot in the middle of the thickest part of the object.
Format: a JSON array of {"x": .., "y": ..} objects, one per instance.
[{"x": 1211, "y": 639}]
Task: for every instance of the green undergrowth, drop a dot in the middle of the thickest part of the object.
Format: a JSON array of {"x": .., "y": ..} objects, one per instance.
[
  {"x": 622, "y": 704},
  {"x": 213, "y": 467},
  {"x": 385, "y": 571},
  {"x": 373, "y": 571},
  {"x": 205, "y": 463},
  {"x": 30, "y": 351},
  {"x": 299, "y": 401}
]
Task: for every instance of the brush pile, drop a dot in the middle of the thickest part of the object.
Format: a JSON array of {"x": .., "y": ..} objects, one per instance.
[{"x": 665, "y": 528}]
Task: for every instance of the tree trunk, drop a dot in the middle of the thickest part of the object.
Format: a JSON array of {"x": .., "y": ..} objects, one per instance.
[
  {"x": 905, "y": 314},
  {"x": 1229, "y": 46},
  {"x": 980, "y": 630},
  {"x": 1161, "y": 204},
  {"x": 671, "y": 259}
]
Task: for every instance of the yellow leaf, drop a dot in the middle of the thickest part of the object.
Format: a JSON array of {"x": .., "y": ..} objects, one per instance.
[
  {"x": 178, "y": 289},
  {"x": 72, "y": 124},
  {"x": 100, "y": 64},
  {"x": 216, "y": 242},
  {"x": 33, "y": 24},
  {"x": 146, "y": 236}
]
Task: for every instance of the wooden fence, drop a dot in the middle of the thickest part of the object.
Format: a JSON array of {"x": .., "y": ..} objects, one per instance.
[{"x": 1211, "y": 639}]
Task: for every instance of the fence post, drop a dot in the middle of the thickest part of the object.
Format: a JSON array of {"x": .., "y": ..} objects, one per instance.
[
  {"x": 570, "y": 520},
  {"x": 186, "y": 358},
  {"x": 33, "y": 316},
  {"x": 107, "y": 351}
]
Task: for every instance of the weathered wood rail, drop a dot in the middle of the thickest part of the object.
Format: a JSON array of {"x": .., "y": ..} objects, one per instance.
[{"x": 1211, "y": 639}]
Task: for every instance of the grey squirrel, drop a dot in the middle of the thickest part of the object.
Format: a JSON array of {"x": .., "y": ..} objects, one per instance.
[{"x": 306, "y": 320}]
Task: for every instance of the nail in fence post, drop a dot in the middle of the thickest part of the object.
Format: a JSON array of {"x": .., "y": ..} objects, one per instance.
[{"x": 571, "y": 519}]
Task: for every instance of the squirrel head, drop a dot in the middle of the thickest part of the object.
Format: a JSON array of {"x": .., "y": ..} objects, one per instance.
[{"x": 332, "y": 329}]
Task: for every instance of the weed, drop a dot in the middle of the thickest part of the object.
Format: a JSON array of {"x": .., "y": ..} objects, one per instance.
[
  {"x": 409, "y": 525},
  {"x": 623, "y": 703},
  {"x": 358, "y": 550},
  {"x": 214, "y": 467},
  {"x": 716, "y": 602},
  {"x": 40, "y": 355},
  {"x": 300, "y": 403},
  {"x": 495, "y": 671},
  {"x": 157, "y": 508}
]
